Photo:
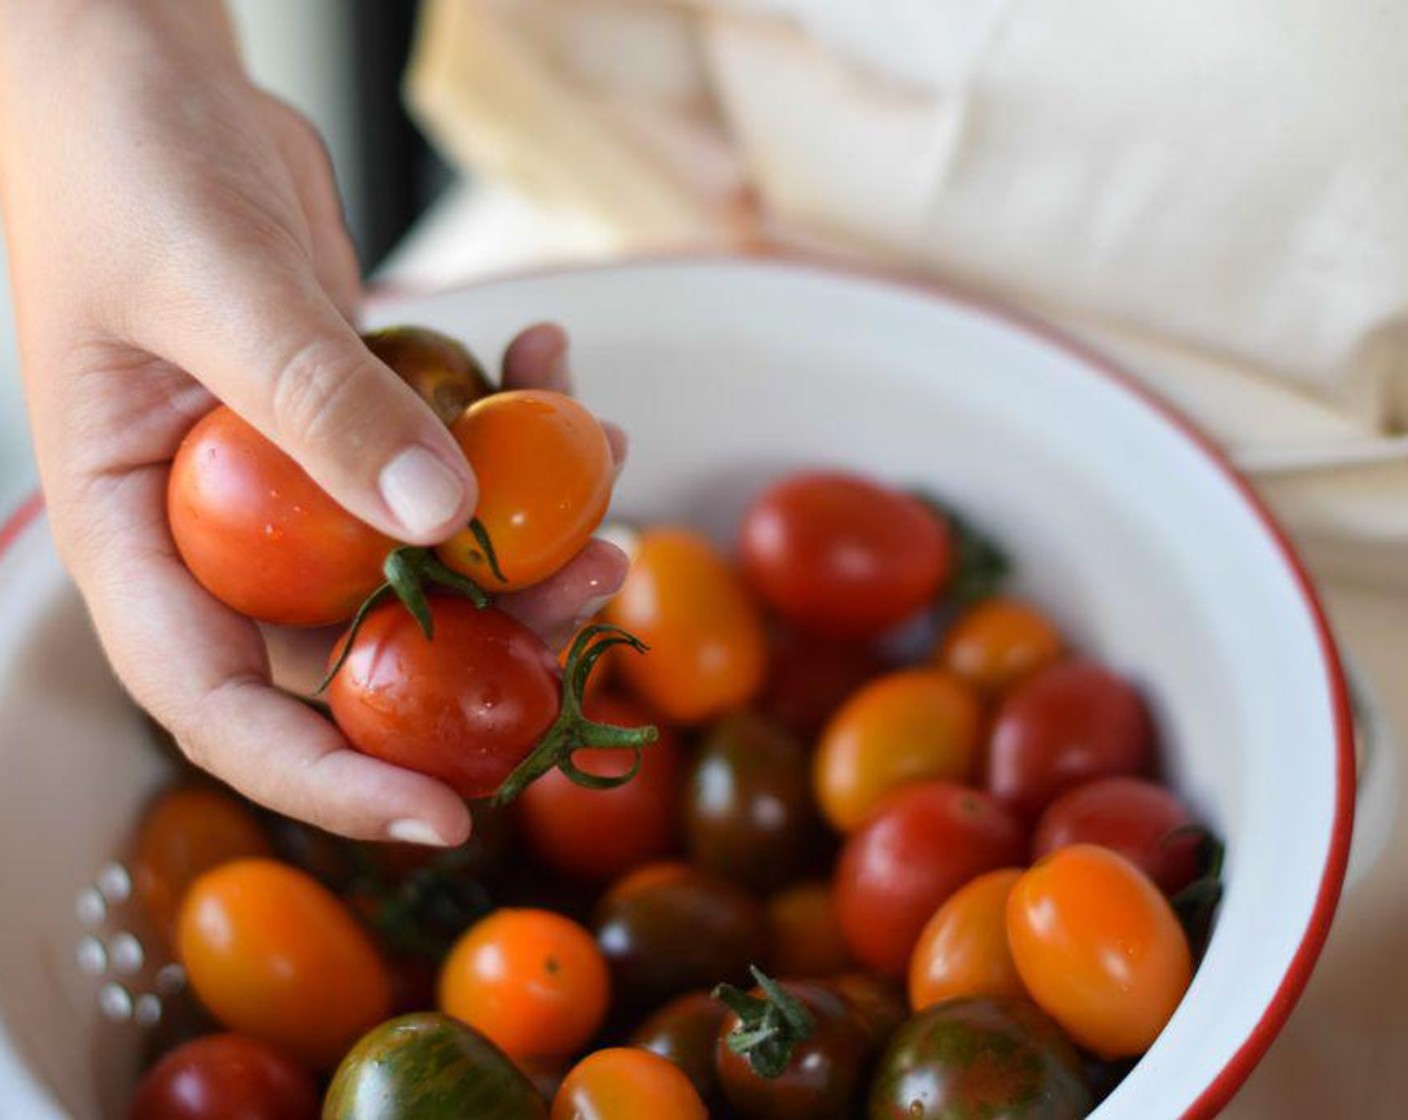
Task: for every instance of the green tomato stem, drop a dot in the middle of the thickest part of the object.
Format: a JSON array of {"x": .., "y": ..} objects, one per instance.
[{"x": 770, "y": 1027}]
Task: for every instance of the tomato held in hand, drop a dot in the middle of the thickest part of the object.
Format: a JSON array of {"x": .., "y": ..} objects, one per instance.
[
  {"x": 442, "y": 372},
  {"x": 1071, "y": 722},
  {"x": 1141, "y": 821},
  {"x": 809, "y": 678},
  {"x": 963, "y": 949},
  {"x": 531, "y": 981},
  {"x": 603, "y": 833},
  {"x": 1099, "y": 948},
  {"x": 921, "y": 844},
  {"x": 686, "y": 1031},
  {"x": 545, "y": 473},
  {"x": 186, "y": 832},
  {"x": 906, "y": 726},
  {"x": 624, "y": 1083},
  {"x": 226, "y": 1077},
  {"x": 270, "y": 952},
  {"x": 263, "y": 537},
  {"x": 707, "y": 647},
  {"x": 998, "y": 643},
  {"x": 840, "y": 555}
]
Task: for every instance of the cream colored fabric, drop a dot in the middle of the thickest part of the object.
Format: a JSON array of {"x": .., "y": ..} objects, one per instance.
[{"x": 1215, "y": 192}]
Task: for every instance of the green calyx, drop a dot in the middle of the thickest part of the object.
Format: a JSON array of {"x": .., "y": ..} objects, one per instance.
[
  {"x": 770, "y": 1026},
  {"x": 572, "y": 730}
]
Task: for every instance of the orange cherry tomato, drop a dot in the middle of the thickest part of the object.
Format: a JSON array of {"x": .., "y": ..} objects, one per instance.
[
  {"x": 185, "y": 833},
  {"x": 708, "y": 650},
  {"x": 263, "y": 537},
  {"x": 545, "y": 474},
  {"x": 272, "y": 953},
  {"x": 963, "y": 950},
  {"x": 999, "y": 642},
  {"x": 805, "y": 934},
  {"x": 1099, "y": 948},
  {"x": 531, "y": 981},
  {"x": 905, "y": 726},
  {"x": 627, "y": 1083}
]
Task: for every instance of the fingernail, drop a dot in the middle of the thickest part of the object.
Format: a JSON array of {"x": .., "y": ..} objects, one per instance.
[
  {"x": 422, "y": 493},
  {"x": 591, "y": 608},
  {"x": 559, "y": 378},
  {"x": 410, "y": 831}
]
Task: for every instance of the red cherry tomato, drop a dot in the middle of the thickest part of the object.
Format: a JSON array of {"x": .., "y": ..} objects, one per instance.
[
  {"x": 603, "y": 833},
  {"x": 260, "y": 535},
  {"x": 921, "y": 844},
  {"x": 1071, "y": 722},
  {"x": 226, "y": 1077},
  {"x": 1137, "y": 819},
  {"x": 840, "y": 555}
]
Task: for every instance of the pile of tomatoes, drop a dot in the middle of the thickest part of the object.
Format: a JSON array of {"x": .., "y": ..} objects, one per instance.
[{"x": 853, "y": 834}]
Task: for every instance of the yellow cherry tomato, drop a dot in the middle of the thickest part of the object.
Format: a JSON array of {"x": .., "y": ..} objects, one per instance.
[{"x": 963, "y": 950}]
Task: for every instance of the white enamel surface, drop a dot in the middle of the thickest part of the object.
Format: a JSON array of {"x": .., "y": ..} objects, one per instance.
[{"x": 726, "y": 374}]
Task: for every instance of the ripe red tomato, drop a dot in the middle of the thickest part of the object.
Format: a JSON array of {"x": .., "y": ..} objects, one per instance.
[
  {"x": 1099, "y": 948},
  {"x": 545, "y": 473},
  {"x": 223, "y": 1076},
  {"x": 840, "y": 555},
  {"x": 263, "y": 537},
  {"x": 603, "y": 833},
  {"x": 1137, "y": 819},
  {"x": 271, "y": 952},
  {"x": 810, "y": 677},
  {"x": 1073, "y": 721},
  {"x": 921, "y": 844},
  {"x": 625, "y": 1083},
  {"x": 999, "y": 642}
]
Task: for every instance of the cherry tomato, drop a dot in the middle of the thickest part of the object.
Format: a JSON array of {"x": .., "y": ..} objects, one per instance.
[
  {"x": 963, "y": 948},
  {"x": 1099, "y": 948},
  {"x": 226, "y": 1077},
  {"x": 625, "y": 1083},
  {"x": 805, "y": 933},
  {"x": 1071, "y": 722},
  {"x": 603, "y": 833},
  {"x": 1138, "y": 819},
  {"x": 707, "y": 647},
  {"x": 186, "y": 832},
  {"x": 998, "y": 643},
  {"x": 531, "y": 981},
  {"x": 843, "y": 556},
  {"x": 922, "y": 843},
  {"x": 260, "y": 535},
  {"x": 271, "y": 952},
  {"x": 811, "y": 677},
  {"x": 545, "y": 474},
  {"x": 669, "y": 928},
  {"x": 903, "y": 727},
  {"x": 465, "y": 707},
  {"x": 748, "y": 814},
  {"x": 685, "y": 1031},
  {"x": 877, "y": 1001},
  {"x": 442, "y": 372}
]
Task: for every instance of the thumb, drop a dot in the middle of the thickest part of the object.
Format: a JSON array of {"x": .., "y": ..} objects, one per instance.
[{"x": 273, "y": 347}]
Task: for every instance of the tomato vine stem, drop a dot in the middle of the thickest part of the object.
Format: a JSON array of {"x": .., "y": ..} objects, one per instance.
[{"x": 769, "y": 1026}]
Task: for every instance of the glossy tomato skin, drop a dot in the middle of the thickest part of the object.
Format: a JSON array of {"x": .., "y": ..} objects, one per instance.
[
  {"x": 978, "y": 1057},
  {"x": 1071, "y": 722},
  {"x": 442, "y": 372},
  {"x": 465, "y": 707},
  {"x": 877, "y": 1002},
  {"x": 263, "y": 537},
  {"x": 921, "y": 844},
  {"x": 903, "y": 727},
  {"x": 625, "y": 1083},
  {"x": 531, "y": 981},
  {"x": 1099, "y": 949},
  {"x": 599, "y": 834},
  {"x": 226, "y": 1077},
  {"x": 747, "y": 809},
  {"x": 708, "y": 649},
  {"x": 963, "y": 949},
  {"x": 825, "y": 1078},
  {"x": 805, "y": 933},
  {"x": 430, "y": 1067},
  {"x": 998, "y": 643},
  {"x": 809, "y": 678},
  {"x": 545, "y": 474},
  {"x": 1136, "y": 818},
  {"x": 840, "y": 555},
  {"x": 686, "y": 1031},
  {"x": 187, "y": 831},
  {"x": 270, "y": 952},
  {"x": 669, "y": 928}
]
